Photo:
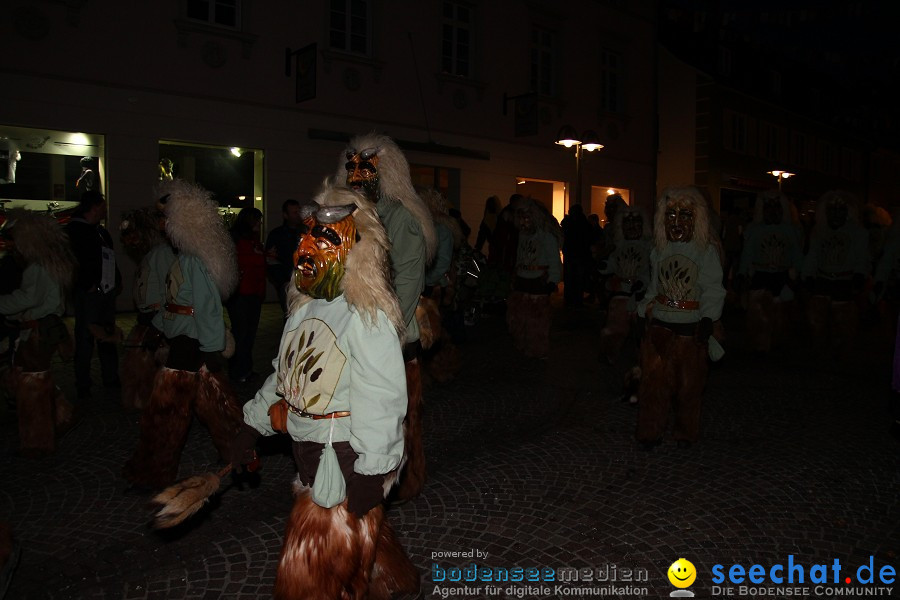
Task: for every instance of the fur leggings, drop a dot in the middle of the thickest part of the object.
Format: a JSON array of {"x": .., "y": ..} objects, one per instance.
[
  {"x": 674, "y": 372},
  {"x": 176, "y": 397},
  {"x": 330, "y": 554}
]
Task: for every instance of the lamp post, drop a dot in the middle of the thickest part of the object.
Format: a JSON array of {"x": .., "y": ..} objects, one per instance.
[
  {"x": 568, "y": 137},
  {"x": 781, "y": 175}
]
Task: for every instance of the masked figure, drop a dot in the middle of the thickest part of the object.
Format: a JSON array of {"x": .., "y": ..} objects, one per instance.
[
  {"x": 339, "y": 391},
  {"x": 684, "y": 298},
  {"x": 375, "y": 166},
  {"x": 626, "y": 274},
  {"x": 42, "y": 248},
  {"x": 146, "y": 244},
  {"x": 191, "y": 320},
  {"x": 769, "y": 263},
  {"x": 834, "y": 270},
  {"x": 538, "y": 271}
]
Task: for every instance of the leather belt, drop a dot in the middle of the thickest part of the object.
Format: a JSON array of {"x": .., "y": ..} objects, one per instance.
[
  {"x": 332, "y": 415},
  {"x": 679, "y": 304},
  {"x": 177, "y": 309}
]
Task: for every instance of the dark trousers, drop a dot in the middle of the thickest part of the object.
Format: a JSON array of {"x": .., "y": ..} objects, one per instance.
[
  {"x": 243, "y": 311},
  {"x": 94, "y": 308}
]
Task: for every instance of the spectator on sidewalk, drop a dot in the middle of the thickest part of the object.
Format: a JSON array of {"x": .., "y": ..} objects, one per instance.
[
  {"x": 280, "y": 246},
  {"x": 245, "y": 304},
  {"x": 94, "y": 293}
]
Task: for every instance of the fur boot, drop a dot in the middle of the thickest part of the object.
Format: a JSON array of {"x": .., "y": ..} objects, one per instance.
[
  {"x": 35, "y": 394},
  {"x": 328, "y": 553},
  {"x": 412, "y": 478},
  {"x": 217, "y": 408},
  {"x": 760, "y": 320},
  {"x": 139, "y": 367},
  {"x": 164, "y": 428},
  {"x": 528, "y": 318},
  {"x": 613, "y": 334},
  {"x": 393, "y": 573}
]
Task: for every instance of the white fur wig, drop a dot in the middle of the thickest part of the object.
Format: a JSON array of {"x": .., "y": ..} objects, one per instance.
[
  {"x": 366, "y": 284},
  {"x": 836, "y": 196},
  {"x": 540, "y": 216},
  {"x": 40, "y": 239},
  {"x": 621, "y": 213},
  {"x": 761, "y": 199},
  {"x": 394, "y": 182},
  {"x": 195, "y": 227},
  {"x": 694, "y": 199}
]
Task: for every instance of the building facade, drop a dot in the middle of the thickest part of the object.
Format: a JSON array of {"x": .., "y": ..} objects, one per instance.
[{"x": 255, "y": 100}]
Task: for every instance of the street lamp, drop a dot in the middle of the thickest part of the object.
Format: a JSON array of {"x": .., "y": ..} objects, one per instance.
[
  {"x": 568, "y": 137},
  {"x": 781, "y": 175}
]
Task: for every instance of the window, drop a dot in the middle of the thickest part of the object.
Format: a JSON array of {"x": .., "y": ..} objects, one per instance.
[
  {"x": 724, "y": 60},
  {"x": 770, "y": 145},
  {"x": 42, "y": 169},
  {"x": 610, "y": 80},
  {"x": 234, "y": 176},
  {"x": 543, "y": 56},
  {"x": 221, "y": 13},
  {"x": 349, "y": 26},
  {"x": 443, "y": 179},
  {"x": 456, "y": 39},
  {"x": 735, "y": 137},
  {"x": 800, "y": 150}
]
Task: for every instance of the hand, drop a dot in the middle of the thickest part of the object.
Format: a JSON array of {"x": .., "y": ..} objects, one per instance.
[
  {"x": 243, "y": 448},
  {"x": 213, "y": 361},
  {"x": 704, "y": 330},
  {"x": 364, "y": 492}
]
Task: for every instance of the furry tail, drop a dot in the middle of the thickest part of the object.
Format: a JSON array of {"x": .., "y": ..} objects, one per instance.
[{"x": 182, "y": 500}]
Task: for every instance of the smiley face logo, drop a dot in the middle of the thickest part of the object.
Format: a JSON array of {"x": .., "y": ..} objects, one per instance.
[{"x": 682, "y": 573}]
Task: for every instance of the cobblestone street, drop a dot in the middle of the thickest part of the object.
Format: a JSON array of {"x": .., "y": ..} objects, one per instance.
[{"x": 531, "y": 464}]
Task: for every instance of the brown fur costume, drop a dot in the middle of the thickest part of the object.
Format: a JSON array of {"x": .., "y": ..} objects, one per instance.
[
  {"x": 528, "y": 305},
  {"x": 330, "y": 553},
  {"x": 395, "y": 186},
  {"x": 186, "y": 387},
  {"x": 139, "y": 233},
  {"x": 42, "y": 409},
  {"x": 674, "y": 363},
  {"x": 139, "y": 366}
]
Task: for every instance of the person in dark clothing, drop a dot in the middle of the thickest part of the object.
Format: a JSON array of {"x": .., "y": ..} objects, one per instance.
[
  {"x": 576, "y": 253},
  {"x": 488, "y": 223},
  {"x": 280, "y": 246},
  {"x": 245, "y": 304},
  {"x": 94, "y": 293}
]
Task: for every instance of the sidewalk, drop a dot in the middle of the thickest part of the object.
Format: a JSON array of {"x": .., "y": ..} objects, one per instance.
[{"x": 531, "y": 464}]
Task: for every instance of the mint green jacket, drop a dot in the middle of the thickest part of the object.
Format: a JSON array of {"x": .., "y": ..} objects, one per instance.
[{"x": 330, "y": 360}]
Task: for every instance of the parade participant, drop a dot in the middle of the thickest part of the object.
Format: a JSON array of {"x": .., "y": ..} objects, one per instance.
[
  {"x": 684, "y": 298},
  {"x": 339, "y": 391},
  {"x": 769, "y": 263},
  {"x": 537, "y": 274},
  {"x": 147, "y": 246},
  {"x": 626, "y": 274},
  {"x": 374, "y": 165},
  {"x": 441, "y": 361},
  {"x": 834, "y": 270},
  {"x": 191, "y": 319},
  {"x": 42, "y": 248}
]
